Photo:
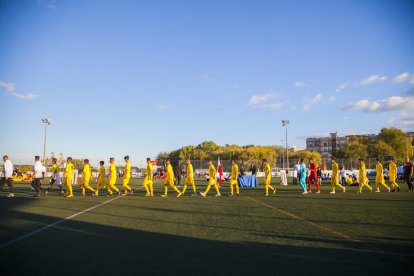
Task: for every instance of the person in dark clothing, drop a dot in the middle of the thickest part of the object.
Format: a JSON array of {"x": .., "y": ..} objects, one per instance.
[
  {"x": 177, "y": 173},
  {"x": 319, "y": 175},
  {"x": 253, "y": 169},
  {"x": 408, "y": 174}
]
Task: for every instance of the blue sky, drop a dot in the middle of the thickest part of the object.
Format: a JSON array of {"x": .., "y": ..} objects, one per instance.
[{"x": 140, "y": 77}]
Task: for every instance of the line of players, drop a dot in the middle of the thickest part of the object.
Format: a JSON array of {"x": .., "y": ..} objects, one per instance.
[
  {"x": 362, "y": 177},
  {"x": 305, "y": 182}
]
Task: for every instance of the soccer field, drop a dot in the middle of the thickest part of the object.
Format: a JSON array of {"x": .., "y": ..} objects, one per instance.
[{"x": 287, "y": 233}]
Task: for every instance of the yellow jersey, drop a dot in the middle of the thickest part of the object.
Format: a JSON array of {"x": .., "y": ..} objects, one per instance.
[
  {"x": 112, "y": 171},
  {"x": 379, "y": 173},
  {"x": 87, "y": 170},
  {"x": 266, "y": 168},
  {"x": 101, "y": 173},
  {"x": 234, "y": 172},
  {"x": 334, "y": 170},
  {"x": 362, "y": 172},
  {"x": 149, "y": 171},
  {"x": 55, "y": 169},
  {"x": 392, "y": 170},
  {"x": 190, "y": 171},
  {"x": 70, "y": 168},
  {"x": 127, "y": 170},
  {"x": 212, "y": 171},
  {"x": 170, "y": 173}
]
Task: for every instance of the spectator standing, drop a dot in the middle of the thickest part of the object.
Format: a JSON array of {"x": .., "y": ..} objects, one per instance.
[
  {"x": 177, "y": 172},
  {"x": 6, "y": 177},
  {"x": 408, "y": 173},
  {"x": 319, "y": 175},
  {"x": 253, "y": 169},
  {"x": 296, "y": 173}
]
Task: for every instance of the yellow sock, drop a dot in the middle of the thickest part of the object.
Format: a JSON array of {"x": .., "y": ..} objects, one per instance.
[
  {"x": 208, "y": 188},
  {"x": 70, "y": 189},
  {"x": 151, "y": 189},
  {"x": 237, "y": 189},
  {"x": 146, "y": 188},
  {"x": 83, "y": 190},
  {"x": 267, "y": 189},
  {"x": 184, "y": 188},
  {"x": 231, "y": 189},
  {"x": 385, "y": 185},
  {"x": 165, "y": 190},
  {"x": 217, "y": 189},
  {"x": 176, "y": 189},
  {"x": 194, "y": 188}
]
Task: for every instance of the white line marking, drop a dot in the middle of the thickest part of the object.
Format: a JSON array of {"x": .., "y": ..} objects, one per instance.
[{"x": 55, "y": 223}]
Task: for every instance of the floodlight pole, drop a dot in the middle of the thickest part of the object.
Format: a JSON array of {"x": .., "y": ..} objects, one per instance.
[
  {"x": 46, "y": 122},
  {"x": 285, "y": 124}
]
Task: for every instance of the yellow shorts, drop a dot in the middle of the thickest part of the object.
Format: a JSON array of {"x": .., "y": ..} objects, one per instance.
[
  {"x": 147, "y": 181},
  {"x": 190, "y": 180},
  {"x": 233, "y": 182}
]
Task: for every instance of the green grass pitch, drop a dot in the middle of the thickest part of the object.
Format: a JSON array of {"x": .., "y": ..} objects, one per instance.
[{"x": 289, "y": 233}]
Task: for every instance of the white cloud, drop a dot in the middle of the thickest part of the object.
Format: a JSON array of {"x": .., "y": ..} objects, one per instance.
[
  {"x": 299, "y": 84},
  {"x": 163, "y": 107},
  {"x": 407, "y": 119},
  {"x": 341, "y": 87},
  {"x": 357, "y": 105},
  {"x": 405, "y": 77},
  {"x": 372, "y": 80},
  {"x": 10, "y": 89},
  {"x": 306, "y": 107},
  {"x": 206, "y": 77},
  {"x": 29, "y": 96},
  {"x": 51, "y": 4},
  {"x": 395, "y": 103},
  {"x": 274, "y": 106},
  {"x": 8, "y": 86},
  {"x": 316, "y": 98},
  {"x": 332, "y": 98},
  {"x": 258, "y": 99}
]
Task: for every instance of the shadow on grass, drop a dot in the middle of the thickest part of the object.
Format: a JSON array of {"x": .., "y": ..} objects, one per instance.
[{"x": 75, "y": 247}]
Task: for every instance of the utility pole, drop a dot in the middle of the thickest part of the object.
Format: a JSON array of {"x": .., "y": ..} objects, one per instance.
[
  {"x": 46, "y": 122},
  {"x": 285, "y": 124}
]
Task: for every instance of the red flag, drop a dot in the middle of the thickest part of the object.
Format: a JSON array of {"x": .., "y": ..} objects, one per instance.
[{"x": 220, "y": 171}]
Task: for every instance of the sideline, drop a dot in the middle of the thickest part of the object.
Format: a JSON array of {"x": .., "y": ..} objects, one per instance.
[{"x": 4, "y": 245}]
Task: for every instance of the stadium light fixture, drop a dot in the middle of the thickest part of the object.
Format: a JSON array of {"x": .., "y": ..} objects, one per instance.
[{"x": 47, "y": 122}]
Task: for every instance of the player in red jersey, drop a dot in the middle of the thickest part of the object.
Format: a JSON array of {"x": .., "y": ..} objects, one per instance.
[{"x": 313, "y": 177}]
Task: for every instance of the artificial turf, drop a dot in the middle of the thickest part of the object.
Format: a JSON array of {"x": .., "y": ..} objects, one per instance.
[{"x": 288, "y": 233}]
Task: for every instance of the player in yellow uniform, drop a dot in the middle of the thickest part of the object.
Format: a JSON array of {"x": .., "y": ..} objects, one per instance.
[
  {"x": 69, "y": 171},
  {"x": 101, "y": 179},
  {"x": 335, "y": 177},
  {"x": 87, "y": 175},
  {"x": 127, "y": 176},
  {"x": 148, "y": 184},
  {"x": 362, "y": 177},
  {"x": 233, "y": 180},
  {"x": 392, "y": 174},
  {"x": 379, "y": 178},
  {"x": 268, "y": 177},
  {"x": 190, "y": 178},
  {"x": 212, "y": 179},
  {"x": 169, "y": 180},
  {"x": 112, "y": 177}
]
